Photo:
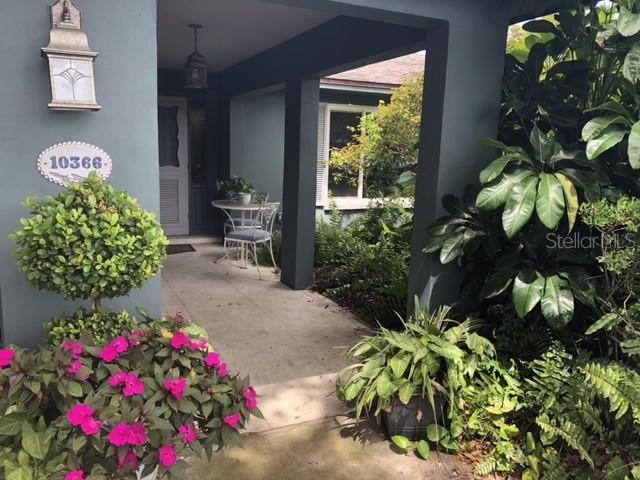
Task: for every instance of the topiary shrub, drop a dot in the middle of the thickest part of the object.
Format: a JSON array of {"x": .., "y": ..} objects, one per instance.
[
  {"x": 90, "y": 241},
  {"x": 102, "y": 326}
]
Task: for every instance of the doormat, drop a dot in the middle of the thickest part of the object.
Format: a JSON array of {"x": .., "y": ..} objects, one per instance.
[{"x": 181, "y": 248}]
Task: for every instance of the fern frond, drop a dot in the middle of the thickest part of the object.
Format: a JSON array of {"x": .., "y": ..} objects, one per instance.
[
  {"x": 573, "y": 435},
  {"x": 618, "y": 384},
  {"x": 590, "y": 416},
  {"x": 485, "y": 467}
]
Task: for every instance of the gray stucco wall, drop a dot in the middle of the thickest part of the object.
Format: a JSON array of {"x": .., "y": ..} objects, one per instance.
[
  {"x": 124, "y": 33},
  {"x": 257, "y": 141}
]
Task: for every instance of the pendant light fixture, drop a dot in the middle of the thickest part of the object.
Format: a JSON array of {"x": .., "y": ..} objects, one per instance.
[{"x": 196, "y": 67}]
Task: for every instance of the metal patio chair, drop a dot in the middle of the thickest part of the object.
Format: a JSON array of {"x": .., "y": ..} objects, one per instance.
[
  {"x": 250, "y": 238},
  {"x": 234, "y": 223}
]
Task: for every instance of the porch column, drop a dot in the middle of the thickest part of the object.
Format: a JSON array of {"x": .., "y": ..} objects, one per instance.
[
  {"x": 461, "y": 103},
  {"x": 299, "y": 182}
]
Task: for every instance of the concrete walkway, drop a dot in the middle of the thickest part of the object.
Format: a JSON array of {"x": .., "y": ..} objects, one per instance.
[{"x": 288, "y": 342}]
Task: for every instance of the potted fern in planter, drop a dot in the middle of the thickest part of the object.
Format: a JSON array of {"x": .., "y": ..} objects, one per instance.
[{"x": 407, "y": 378}]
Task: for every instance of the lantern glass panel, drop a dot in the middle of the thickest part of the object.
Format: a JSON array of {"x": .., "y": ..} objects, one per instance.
[{"x": 72, "y": 79}]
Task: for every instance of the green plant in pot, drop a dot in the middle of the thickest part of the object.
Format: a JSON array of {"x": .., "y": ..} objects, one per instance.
[
  {"x": 236, "y": 188},
  {"x": 89, "y": 242},
  {"x": 408, "y": 378}
]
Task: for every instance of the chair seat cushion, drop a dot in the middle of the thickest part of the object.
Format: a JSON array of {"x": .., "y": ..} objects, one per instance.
[{"x": 249, "y": 235}]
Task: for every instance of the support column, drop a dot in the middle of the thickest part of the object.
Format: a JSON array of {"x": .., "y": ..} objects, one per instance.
[
  {"x": 462, "y": 91},
  {"x": 299, "y": 181}
]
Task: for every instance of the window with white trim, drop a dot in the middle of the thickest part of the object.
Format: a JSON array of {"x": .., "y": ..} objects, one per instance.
[{"x": 335, "y": 130}]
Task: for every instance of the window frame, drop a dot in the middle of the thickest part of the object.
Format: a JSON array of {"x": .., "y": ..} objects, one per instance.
[{"x": 357, "y": 202}]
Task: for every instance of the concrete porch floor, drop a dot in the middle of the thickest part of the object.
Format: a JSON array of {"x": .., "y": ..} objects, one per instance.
[{"x": 288, "y": 342}]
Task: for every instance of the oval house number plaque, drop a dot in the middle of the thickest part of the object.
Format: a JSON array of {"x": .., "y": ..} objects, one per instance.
[{"x": 68, "y": 162}]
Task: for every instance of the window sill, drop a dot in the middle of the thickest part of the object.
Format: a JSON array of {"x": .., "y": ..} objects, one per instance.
[{"x": 355, "y": 203}]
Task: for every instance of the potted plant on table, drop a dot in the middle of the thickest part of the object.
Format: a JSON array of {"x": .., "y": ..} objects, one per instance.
[
  {"x": 236, "y": 188},
  {"x": 137, "y": 407},
  {"x": 408, "y": 378}
]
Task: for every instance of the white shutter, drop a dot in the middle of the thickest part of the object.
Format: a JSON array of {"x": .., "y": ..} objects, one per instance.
[
  {"x": 323, "y": 156},
  {"x": 169, "y": 201}
]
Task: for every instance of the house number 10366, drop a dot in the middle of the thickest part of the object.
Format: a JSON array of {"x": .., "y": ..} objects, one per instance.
[
  {"x": 67, "y": 162},
  {"x": 75, "y": 162}
]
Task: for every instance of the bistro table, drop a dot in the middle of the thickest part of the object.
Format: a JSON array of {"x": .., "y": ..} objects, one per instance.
[{"x": 245, "y": 220}]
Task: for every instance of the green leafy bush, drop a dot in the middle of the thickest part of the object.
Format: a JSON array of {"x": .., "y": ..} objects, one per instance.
[
  {"x": 102, "y": 326},
  {"x": 364, "y": 265},
  {"x": 550, "y": 249},
  {"x": 90, "y": 241}
]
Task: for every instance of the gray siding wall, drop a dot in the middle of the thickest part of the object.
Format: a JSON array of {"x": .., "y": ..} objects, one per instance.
[
  {"x": 124, "y": 33},
  {"x": 257, "y": 141}
]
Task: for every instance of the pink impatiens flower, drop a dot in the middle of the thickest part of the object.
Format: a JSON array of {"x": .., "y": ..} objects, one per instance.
[
  {"x": 109, "y": 354},
  {"x": 112, "y": 351},
  {"x": 197, "y": 345},
  {"x": 90, "y": 426},
  {"x": 120, "y": 344},
  {"x": 123, "y": 434},
  {"x": 132, "y": 386},
  {"x": 138, "y": 434},
  {"x": 179, "y": 340},
  {"x": 129, "y": 460},
  {"x": 6, "y": 357},
  {"x": 212, "y": 360},
  {"x": 167, "y": 456},
  {"x": 176, "y": 387},
  {"x": 74, "y": 368},
  {"x": 120, "y": 435},
  {"x": 74, "y": 475},
  {"x": 232, "y": 420},
  {"x": 79, "y": 414},
  {"x": 76, "y": 348},
  {"x": 188, "y": 433},
  {"x": 223, "y": 370},
  {"x": 117, "y": 379},
  {"x": 250, "y": 398},
  {"x": 135, "y": 338},
  {"x": 82, "y": 416}
]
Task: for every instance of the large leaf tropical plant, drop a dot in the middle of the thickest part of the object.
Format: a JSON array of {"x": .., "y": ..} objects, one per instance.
[{"x": 540, "y": 180}]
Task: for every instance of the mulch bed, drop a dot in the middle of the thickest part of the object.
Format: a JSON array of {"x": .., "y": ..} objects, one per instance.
[{"x": 371, "y": 307}]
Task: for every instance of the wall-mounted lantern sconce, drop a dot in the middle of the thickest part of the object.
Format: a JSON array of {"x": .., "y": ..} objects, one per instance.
[
  {"x": 70, "y": 60},
  {"x": 196, "y": 66}
]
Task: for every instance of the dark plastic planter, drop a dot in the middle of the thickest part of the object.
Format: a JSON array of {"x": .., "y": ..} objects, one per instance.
[{"x": 412, "y": 420}]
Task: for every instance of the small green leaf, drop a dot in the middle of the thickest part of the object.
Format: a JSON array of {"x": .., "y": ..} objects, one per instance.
[
  {"x": 606, "y": 322},
  {"x": 628, "y": 23},
  {"x": 406, "y": 392},
  {"x": 401, "y": 442},
  {"x": 527, "y": 291},
  {"x": 570, "y": 198},
  {"x": 609, "y": 139},
  {"x": 519, "y": 207},
  {"x": 435, "y": 432},
  {"x": 550, "y": 201},
  {"x": 557, "y": 302},
  {"x": 423, "y": 449},
  {"x": 631, "y": 66},
  {"x": 633, "y": 150},
  {"x": 399, "y": 363}
]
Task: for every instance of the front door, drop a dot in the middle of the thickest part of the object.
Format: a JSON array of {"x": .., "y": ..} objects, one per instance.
[{"x": 174, "y": 165}]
